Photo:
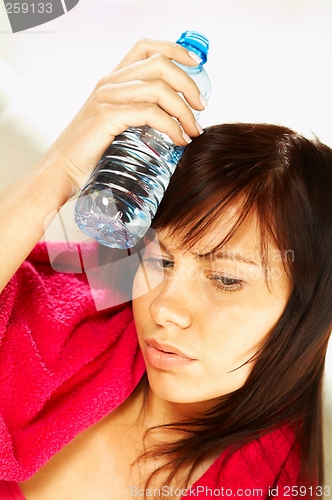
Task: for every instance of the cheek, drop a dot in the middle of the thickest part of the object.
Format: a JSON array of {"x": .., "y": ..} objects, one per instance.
[
  {"x": 140, "y": 286},
  {"x": 140, "y": 311},
  {"x": 141, "y": 301},
  {"x": 146, "y": 280},
  {"x": 237, "y": 332}
]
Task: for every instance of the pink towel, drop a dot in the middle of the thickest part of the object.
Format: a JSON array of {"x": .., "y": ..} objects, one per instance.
[{"x": 63, "y": 364}]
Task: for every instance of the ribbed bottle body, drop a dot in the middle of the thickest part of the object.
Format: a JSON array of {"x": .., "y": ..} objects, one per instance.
[{"x": 119, "y": 201}]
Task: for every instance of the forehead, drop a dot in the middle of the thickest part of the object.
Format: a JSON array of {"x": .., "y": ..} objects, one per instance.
[{"x": 246, "y": 237}]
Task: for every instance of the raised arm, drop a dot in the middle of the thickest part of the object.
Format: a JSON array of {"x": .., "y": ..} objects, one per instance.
[{"x": 142, "y": 90}]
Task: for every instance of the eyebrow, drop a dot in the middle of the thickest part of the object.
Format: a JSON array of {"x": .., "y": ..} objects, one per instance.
[
  {"x": 218, "y": 255},
  {"x": 223, "y": 255}
]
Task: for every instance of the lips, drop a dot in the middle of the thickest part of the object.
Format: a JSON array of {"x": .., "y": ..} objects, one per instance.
[
  {"x": 164, "y": 355},
  {"x": 166, "y": 347}
]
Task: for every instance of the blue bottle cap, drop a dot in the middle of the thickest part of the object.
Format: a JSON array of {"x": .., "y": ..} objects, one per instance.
[{"x": 196, "y": 42}]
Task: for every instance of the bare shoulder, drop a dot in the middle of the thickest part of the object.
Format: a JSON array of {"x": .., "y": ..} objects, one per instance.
[{"x": 95, "y": 463}]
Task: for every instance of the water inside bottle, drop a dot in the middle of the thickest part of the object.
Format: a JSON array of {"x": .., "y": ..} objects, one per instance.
[{"x": 124, "y": 191}]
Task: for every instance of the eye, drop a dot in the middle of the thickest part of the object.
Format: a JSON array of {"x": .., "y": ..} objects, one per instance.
[
  {"x": 158, "y": 265},
  {"x": 226, "y": 283}
]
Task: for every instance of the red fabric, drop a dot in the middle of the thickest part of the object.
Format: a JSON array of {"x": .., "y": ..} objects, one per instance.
[
  {"x": 271, "y": 462},
  {"x": 10, "y": 491},
  {"x": 64, "y": 365}
]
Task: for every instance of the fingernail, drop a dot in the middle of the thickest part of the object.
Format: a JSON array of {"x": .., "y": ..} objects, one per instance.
[
  {"x": 195, "y": 57},
  {"x": 204, "y": 102},
  {"x": 186, "y": 137},
  {"x": 199, "y": 128}
]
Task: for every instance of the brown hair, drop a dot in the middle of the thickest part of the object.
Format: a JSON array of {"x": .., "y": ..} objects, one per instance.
[{"x": 287, "y": 180}]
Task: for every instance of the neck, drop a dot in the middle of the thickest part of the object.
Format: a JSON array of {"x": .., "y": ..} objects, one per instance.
[
  {"x": 155, "y": 411},
  {"x": 145, "y": 410}
]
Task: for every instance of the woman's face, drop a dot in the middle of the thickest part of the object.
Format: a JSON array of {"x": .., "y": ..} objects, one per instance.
[{"x": 205, "y": 315}]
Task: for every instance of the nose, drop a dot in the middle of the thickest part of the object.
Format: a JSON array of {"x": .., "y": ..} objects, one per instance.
[{"x": 172, "y": 305}]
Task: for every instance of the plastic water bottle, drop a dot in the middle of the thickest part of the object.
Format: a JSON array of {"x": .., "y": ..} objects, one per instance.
[{"x": 119, "y": 201}]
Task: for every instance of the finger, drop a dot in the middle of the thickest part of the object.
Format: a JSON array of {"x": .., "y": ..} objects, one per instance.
[
  {"x": 116, "y": 119},
  {"x": 145, "y": 48},
  {"x": 153, "y": 92},
  {"x": 159, "y": 67}
]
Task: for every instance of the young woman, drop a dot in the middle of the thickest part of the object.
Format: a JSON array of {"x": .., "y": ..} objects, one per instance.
[{"x": 231, "y": 309}]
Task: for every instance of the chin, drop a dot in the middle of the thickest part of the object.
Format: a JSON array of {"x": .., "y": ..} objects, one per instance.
[
  {"x": 169, "y": 388},
  {"x": 187, "y": 389}
]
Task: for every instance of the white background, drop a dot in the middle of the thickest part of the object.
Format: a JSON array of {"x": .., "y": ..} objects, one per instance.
[{"x": 269, "y": 61}]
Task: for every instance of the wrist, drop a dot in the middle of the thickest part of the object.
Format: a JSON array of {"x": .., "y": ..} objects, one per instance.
[{"x": 54, "y": 177}]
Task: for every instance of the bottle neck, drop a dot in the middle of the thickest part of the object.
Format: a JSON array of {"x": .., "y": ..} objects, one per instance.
[
  {"x": 195, "y": 42},
  {"x": 198, "y": 52}
]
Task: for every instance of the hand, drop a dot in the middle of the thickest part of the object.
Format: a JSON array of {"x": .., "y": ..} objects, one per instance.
[{"x": 142, "y": 90}]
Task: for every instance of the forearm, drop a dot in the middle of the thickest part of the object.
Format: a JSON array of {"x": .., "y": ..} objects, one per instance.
[{"x": 27, "y": 208}]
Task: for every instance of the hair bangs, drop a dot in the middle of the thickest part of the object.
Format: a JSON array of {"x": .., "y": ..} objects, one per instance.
[{"x": 193, "y": 207}]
